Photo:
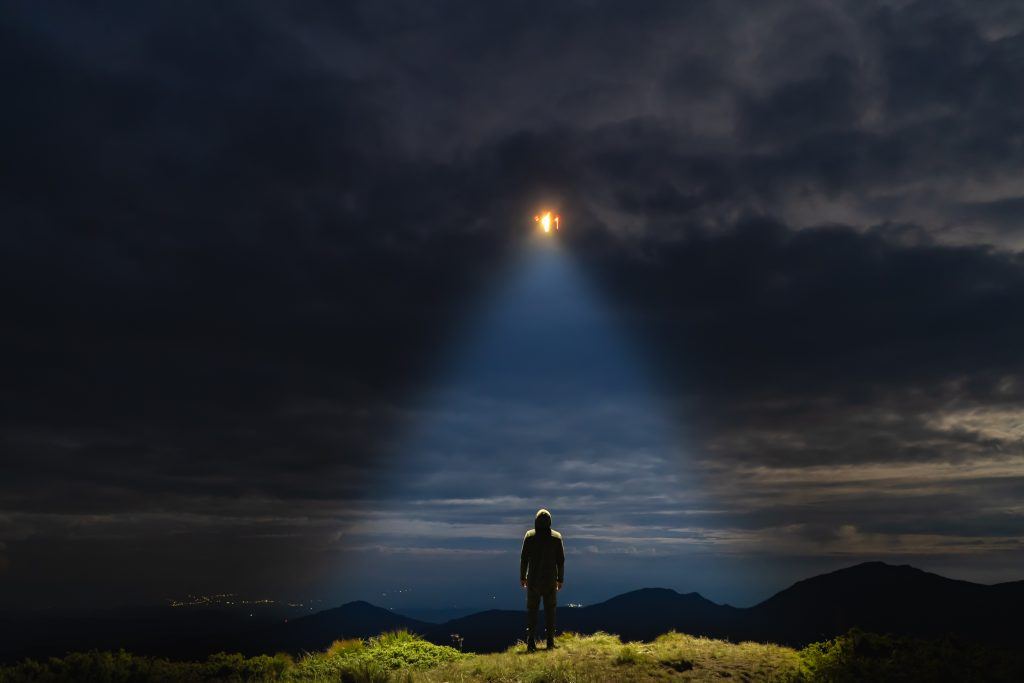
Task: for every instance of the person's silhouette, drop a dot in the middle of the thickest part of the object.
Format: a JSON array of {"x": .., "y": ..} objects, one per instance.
[{"x": 541, "y": 573}]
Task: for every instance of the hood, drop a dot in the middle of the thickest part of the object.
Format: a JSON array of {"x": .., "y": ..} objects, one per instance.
[{"x": 542, "y": 522}]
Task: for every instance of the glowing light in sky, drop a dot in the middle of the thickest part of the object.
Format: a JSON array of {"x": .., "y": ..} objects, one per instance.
[{"x": 547, "y": 220}]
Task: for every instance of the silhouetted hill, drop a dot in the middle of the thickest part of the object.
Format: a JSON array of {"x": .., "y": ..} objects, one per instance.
[
  {"x": 150, "y": 630},
  {"x": 357, "y": 619},
  {"x": 188, "y": 633},
  {"x": 887, "y": 599},
  {"x": 487, "y": 631},
  {"x": 662, "y": 609}
]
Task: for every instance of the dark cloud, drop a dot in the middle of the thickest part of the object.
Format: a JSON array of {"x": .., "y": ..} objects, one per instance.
[{"x": 238, "y": 239}]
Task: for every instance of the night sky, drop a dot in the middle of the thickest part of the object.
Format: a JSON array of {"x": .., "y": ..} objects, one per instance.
[{"x": 277, "y": 319}]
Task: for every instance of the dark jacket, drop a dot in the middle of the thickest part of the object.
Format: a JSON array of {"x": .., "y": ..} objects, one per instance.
[{"x": 542, "y": 562}]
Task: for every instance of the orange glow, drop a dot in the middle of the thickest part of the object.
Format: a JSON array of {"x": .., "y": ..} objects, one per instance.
[{"x": 547, "y": 220}]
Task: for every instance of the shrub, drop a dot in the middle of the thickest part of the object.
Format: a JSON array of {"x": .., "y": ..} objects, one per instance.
[
  {"x": 344, "y": 647},
  {"x": 861, "y": 656},
  {"x": 372, "y": 661},
  {"x": 402, "y": 649}
]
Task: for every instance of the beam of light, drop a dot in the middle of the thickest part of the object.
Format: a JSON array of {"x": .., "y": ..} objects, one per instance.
[{"x": 544, "y": 403}]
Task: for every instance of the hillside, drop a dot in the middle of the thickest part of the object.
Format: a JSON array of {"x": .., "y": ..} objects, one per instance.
[
  {"x": 402, "y": 657},
  {"x": 890, "y": 599},
  {"x": 604, "y": 657}
]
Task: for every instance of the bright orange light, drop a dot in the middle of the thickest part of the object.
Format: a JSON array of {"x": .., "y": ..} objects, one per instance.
[{"x": 546, "y": 220}]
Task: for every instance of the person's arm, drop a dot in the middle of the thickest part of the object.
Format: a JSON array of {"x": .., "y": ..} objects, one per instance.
[
  {"x": 560, "y": 563},
  {"x": 524, "y": 561}
]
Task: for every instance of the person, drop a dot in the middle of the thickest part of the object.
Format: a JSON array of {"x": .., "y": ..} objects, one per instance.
[{"x": 541, "y": 573}]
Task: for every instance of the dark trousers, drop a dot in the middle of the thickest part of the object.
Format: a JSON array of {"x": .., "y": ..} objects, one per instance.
[{"x": 534, "y": 594}]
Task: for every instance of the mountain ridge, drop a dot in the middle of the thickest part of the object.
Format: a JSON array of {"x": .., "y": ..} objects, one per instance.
[
  {"x": 874, "y": 596},
  {"x": 877, "y": 596}
]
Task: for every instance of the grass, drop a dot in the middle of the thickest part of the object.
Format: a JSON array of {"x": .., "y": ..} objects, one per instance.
[
  {"x": 603, "y": 657},
  {"x": 405, "y": 658},
  {"x": 389, "y": 657},
  {"x": 860, "y": 656}
]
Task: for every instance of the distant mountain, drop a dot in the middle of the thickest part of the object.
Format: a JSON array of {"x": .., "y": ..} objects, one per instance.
[
  {"x": 352, "y": 620},
  {"x": 873, "y": 596},
  {"x": 193, "y": 633},
  {"x": 887, "y": 599},
  {"x": 639, "y": 615},
  {"x": 488, "y": 631},
  {"x": 157, "y": 630},
  {"x": 440, "y": 615},
  {"x": 662, "y": 610}
]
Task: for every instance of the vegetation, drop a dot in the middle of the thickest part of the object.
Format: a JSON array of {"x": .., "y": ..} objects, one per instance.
[
  {"x": 404, "y": 658},
  {"x": 603, "y": 657},
  {"x": 388, "y": 657},
  {"x": 860, "y": 656}
]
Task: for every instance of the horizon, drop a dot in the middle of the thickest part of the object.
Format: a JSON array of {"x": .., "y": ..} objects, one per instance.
[
  {"x": 325, "y": 301},
  {"x": 698, "y": 593},
  {"x": 296, "y": 607}
]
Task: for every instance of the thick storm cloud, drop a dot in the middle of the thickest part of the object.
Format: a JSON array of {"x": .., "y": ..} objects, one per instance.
[{"x": 240, "y": 241}]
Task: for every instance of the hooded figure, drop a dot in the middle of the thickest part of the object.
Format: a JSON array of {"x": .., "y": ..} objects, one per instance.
[{"x": 541, "y": 572}]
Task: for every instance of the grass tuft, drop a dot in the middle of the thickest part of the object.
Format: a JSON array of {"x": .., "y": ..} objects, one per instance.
[
  {"x": 400, "y": 638},
  {"x": 341, "y": 648},
  {"x": 629, "y": 654}
]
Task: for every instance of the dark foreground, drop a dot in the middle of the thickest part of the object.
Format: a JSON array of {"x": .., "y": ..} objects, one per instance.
[{"x": 400, "y": 656}]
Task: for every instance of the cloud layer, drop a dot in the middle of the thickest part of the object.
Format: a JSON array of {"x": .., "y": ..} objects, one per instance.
[{"x": 239, "y": 241}]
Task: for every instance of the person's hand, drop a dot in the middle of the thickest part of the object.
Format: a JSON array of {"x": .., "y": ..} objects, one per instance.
[
  {"x": 558, "y": 586},
  {"x": 522, "y": 582}
]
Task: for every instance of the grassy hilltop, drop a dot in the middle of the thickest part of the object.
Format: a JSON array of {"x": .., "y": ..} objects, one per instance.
[{"x": 404, "y": 657}]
